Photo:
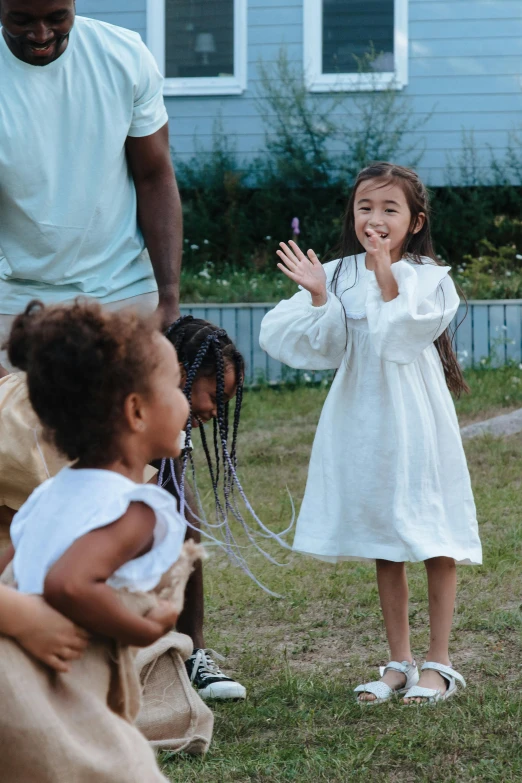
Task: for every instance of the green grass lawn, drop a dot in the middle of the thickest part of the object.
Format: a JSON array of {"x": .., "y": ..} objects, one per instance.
[{"x": 301, "y": 656}]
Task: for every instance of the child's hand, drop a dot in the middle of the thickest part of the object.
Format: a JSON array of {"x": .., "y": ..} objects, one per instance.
[
  {"x": 48, "y": 635},
  {"x": 307, "y": 271},
  {"x": 165, "y": 615},
  {"x": 378, "y": 250}
]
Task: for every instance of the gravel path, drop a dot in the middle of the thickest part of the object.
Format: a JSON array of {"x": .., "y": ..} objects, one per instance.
[{"x": 508, "y": 424}]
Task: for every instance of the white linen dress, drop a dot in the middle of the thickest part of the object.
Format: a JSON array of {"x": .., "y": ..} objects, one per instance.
[{"x": 388, "y": 477}]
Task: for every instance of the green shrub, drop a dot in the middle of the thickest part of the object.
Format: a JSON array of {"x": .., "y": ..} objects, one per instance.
[
  {"x": 231, "y": 284},
  {"x": 495, "y": 274}
]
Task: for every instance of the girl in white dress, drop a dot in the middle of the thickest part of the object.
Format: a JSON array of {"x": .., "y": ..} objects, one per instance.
[{"x": 388, "y": 479}]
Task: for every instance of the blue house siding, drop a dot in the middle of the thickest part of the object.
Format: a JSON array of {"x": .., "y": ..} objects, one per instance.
[
  {"x": 124, "y": 13},
  {"x": 465, "y": 68}
]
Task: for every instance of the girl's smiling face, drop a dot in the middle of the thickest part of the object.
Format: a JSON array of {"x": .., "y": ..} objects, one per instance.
[
  {"x": 204, "y": 397},
  {"x": 382, "y": 207}
]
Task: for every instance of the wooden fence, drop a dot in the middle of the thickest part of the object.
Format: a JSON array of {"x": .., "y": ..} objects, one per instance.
[{"x": 491, "y": 332}]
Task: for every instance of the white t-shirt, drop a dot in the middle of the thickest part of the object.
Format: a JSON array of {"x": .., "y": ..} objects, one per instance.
[
  {"x": 68, "y": 222},
  {"x": 75, "y": 502}
]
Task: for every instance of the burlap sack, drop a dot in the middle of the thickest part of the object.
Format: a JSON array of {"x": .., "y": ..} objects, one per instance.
[
  {"x": 172, "y": 716},
  {"x": 76, "y": 727}
]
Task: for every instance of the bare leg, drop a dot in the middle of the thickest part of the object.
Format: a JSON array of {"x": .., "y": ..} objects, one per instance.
[
  {"x": 442, "y": 589},
  {"x": 191, "y": 618},
  {"x": 393, "y": 594}
]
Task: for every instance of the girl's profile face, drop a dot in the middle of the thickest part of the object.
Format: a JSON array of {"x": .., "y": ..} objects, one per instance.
[
  {"x": 383, "y": 207},
  {"x": 166, "y": 408},
  {"x": 204, "y": 395}
]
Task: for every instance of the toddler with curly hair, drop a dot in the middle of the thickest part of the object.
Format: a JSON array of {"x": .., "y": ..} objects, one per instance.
[{"x": 93, "y": 541}]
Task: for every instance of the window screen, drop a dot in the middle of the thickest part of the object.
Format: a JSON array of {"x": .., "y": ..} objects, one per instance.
[
  {"x": 352, "y": 30},
  {"x": 199, "y": 38}
]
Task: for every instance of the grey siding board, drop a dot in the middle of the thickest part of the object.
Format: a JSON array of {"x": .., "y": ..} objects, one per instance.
[{"x": 514, "y": 333}]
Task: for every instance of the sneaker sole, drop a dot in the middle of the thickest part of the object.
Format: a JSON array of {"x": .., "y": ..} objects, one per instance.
[{"x": 223, "y": 691}]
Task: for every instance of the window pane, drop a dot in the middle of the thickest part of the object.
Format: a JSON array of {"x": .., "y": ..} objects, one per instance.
[
  {"x": 200, "y": 38},
  {"x": 356, "y": 31}
]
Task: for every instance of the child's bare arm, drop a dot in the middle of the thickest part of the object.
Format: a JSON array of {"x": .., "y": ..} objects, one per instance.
[
  {"x": 76, "y": 584},
  {"x": 40, "y": 630}
]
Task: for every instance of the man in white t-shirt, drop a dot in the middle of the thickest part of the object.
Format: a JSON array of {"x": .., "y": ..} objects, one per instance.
[{"x": 88, "y": 197}]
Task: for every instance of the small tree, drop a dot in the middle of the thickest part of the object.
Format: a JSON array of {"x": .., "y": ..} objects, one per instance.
[{"x": 313, "y": 140}]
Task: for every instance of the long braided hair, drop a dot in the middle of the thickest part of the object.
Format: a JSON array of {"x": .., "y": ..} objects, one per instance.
[
  {"x": 415, "y": 246},
  {"x": 205, "y": 350}
]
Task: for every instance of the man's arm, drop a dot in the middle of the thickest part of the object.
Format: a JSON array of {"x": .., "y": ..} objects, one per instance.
[{"x": 159, "y": 214}]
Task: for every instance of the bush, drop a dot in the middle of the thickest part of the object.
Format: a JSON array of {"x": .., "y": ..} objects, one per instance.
[{"x": 495, "y": 274}]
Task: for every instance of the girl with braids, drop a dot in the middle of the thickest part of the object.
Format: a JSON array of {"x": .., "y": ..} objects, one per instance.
[
  {"x": 388, "y": 479},
  {"x": 212, "y": 373}
]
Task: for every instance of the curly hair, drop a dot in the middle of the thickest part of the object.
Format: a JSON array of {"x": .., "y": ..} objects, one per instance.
[{"x": 81, "y": 364}]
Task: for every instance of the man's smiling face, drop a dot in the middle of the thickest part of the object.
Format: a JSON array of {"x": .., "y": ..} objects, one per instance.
[{"x": 37, "y": 31}]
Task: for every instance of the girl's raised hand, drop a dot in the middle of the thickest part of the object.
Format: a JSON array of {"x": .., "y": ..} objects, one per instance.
[
  {"x": 378, "y": 250},
  {"x": 305, "y": 270}
]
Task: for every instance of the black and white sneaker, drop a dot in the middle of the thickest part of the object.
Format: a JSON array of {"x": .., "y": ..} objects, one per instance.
[{"x": 207, "y": 677}]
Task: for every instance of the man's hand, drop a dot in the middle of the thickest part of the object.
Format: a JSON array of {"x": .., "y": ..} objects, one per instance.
[
  {"x": 307, "y": 271},
  {"x": 168, "y": 309}
]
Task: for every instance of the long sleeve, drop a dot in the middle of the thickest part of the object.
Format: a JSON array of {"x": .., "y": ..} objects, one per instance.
[
  {"x": 303, "y": 336},
  {"x": 403, "y": 328}
]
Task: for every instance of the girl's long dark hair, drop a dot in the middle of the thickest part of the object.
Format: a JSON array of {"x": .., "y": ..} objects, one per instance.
[
  {"x": 415, "y": 246},
  {"x": 205, "y": 350}
]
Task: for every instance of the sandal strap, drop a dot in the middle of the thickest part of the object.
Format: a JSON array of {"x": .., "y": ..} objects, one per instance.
[
  {"x": 446, "y": 671},
  {"x": 404, "y": 668},
  {"x": 379, "y": 689}
]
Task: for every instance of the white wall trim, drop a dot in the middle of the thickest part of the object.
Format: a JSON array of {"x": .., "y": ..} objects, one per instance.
[
  {"x": 233, "y": 85},
  {"x": 317, "y": 81}
]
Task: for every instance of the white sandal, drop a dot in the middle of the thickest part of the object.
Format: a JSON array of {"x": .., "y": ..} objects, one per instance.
[
  {"x": 432, "y": 695},
  {"x": 381, "y": 690}
]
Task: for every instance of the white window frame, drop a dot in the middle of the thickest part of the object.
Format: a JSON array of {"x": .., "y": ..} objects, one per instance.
[
  {"x": 317, "y": 81},
  {"x": 216, "y": 85}
]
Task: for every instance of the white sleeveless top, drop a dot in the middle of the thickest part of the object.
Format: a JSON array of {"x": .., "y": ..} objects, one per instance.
[{"x": 73, "y": 503}]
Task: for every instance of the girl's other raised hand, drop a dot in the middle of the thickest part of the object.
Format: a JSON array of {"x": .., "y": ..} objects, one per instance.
[{"x": 305, "y": 270}]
